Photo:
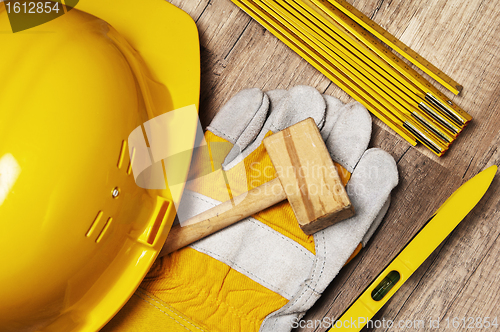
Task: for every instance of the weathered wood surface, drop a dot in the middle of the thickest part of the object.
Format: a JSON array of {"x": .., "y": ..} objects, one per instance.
[{"x": 462, "y": 38}]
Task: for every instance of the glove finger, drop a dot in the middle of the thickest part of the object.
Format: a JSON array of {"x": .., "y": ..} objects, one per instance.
[
  {"x": 370, "y": 186},
  {"x": 241, "y": 119},
  {"x": 250, "y": 134},
  {"x": 274, "y": 97},
  {"x": 299, "y": 103},
  {"x": 372, "y": 181},
  {"x": 376, "y": 222},
  {"x": 350, "y": 135},
  {"x": 288, "y": 108},
  {"x": 333, "y": 109}
]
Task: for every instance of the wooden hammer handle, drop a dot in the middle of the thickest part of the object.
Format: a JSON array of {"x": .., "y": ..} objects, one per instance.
[{"x": 224, "y": 215}]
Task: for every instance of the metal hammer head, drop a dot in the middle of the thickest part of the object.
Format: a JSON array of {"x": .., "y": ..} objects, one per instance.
[{"x": 308, "y": 176}]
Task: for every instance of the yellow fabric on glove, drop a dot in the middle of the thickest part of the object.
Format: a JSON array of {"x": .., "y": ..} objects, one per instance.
[
  {"x": 259, "y": 169},
  {"x": 191, "y": 291},
  {"x": 210, "y": 295}
]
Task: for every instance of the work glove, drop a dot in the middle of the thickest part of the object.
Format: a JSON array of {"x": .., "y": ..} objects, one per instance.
[{"x": 263, "y": 273}]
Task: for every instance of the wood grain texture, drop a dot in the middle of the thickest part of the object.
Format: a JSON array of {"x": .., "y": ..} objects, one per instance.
[
  {"x": 224, "y": 215},
  {"x": 461, "y": 38},
  {"x": 306, "y": 171}
]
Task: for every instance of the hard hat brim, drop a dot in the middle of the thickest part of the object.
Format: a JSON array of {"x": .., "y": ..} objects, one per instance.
[{"x": 167, "y": 40}]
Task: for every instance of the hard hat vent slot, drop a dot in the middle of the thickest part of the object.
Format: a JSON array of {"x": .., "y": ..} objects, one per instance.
[
  {"x": 132, "y": 156},
  {"x": 122, "y": 154},
  {"x": 104, "y": 229},
  {"x": 156, "y": 226},
  {"x": 94, "y": 224}
]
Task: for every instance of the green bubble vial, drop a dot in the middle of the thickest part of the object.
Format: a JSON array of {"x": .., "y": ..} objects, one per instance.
[{"x": 385, "y": 285}]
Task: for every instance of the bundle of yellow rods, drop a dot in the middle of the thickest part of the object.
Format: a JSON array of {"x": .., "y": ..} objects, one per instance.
[{"x": 355, "y": 54}]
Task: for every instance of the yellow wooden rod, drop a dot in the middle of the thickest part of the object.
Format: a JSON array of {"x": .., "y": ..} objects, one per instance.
[
  {"x": 295, "y": 44},
  {"x": 387, "y": 99},
  {"x": 406, "y": 129},
  {"x": 397, "y": 45},
  {"x": 368, "y": 73},
  {"x": 330, "y": 12},
  {"x": 338, "y": 39}
]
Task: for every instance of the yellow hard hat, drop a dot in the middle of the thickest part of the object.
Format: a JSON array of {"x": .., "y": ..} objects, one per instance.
[{"x": 77, "y": 233}]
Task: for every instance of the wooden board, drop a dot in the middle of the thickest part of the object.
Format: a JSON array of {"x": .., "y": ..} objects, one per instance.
[
  {"x": 308, "y": 176},
  {"x": 461, "y": 38}
]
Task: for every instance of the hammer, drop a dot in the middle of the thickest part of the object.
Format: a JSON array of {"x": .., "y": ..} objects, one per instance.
[{"x": 307, "y": 177}]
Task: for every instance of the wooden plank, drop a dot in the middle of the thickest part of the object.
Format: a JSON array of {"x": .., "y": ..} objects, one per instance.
[
  {"x": 240, "y": 54},
  {"x": 417, "y": 174},
  {"x": 459, "y": 282},
  {"x": 460, "y": 38},
  {"x": 469, "y": 158},
  {"x": 447, "y": 286}
]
